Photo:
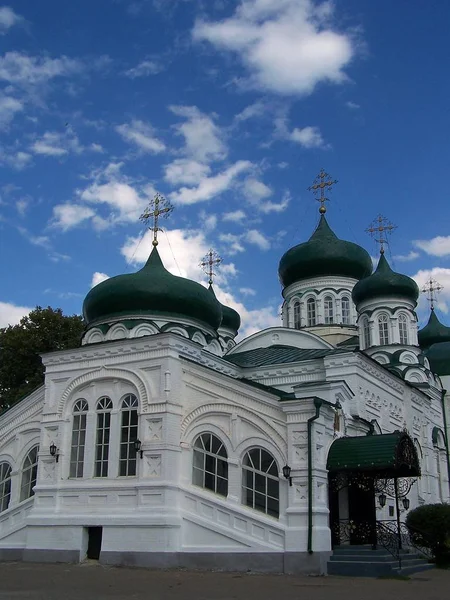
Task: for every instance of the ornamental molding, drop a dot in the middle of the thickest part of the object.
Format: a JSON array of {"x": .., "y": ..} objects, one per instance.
[
  {"x": 21, "y": 412},
  {"x": 105, "y": 372},
  {"x": 381, "y": 375}
]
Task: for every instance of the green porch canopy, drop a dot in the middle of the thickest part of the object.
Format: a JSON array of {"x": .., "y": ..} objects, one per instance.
[{"x": 386, "y": 455}]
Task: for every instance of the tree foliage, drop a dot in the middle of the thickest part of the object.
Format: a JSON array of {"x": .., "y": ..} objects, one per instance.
[
  {"x": 429, "y": 526},
  {"x": 42, "y": 330}
]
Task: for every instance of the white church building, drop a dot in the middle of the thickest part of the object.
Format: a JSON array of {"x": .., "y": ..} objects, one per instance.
[{"x": 162, "y": 442}]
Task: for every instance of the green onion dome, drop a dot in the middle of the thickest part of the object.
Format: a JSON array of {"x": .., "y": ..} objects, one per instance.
[
  {"x": 324, "y": 254},
  {"x": 230, "y": 317},
  {"x": 433, "y": 332},
  {"x": 439, "y": 357},
  {"x": 151, "y": 291},
  {"x": 385, "y": 282}
]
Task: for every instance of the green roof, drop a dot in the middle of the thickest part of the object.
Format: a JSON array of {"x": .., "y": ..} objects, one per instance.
[
  {"x": 230, "y": 317},
  {"x": 277, "y": 354},
  {"x": 151, "y": 291},
  {"x": 439, "y": 357},
  {"x": 390, "y": 454},
  {"x": 433, "y": 332},
  {"x": 324, "y": 254},
  {"x": 385, "y": 282}
]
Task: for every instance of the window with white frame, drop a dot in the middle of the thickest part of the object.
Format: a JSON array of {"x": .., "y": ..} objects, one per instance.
[
  {"x": 210, "y": 465},
  {"x": 5, "y": 485},
  {"x": 128, "y": 435},
  {"x": 328, "y": 310},
  {"x": 345, "y": 309},
  {"x": 104, "y": 407},
  {"x": 260, "y": 482},
  {"x": 29, "y": 474},
  {"x": 366, "y": 332},
  {"x": 311, "y": 312},
  {"x": 383, "y": 329},
  {"x": 296, "y": 314},
  {"x": 78, "y": 443},
  {"x": 403, "y": 329}
]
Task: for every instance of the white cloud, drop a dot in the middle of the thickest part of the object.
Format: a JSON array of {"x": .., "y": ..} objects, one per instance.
[
  {"x": 56, "y": 144},
  {"x": 98, "y": 277},
  {"x": 254, "y": 190},
  {"x": 255, "y": 237},
  {"x": 236, "y": 216},
  {"x": 203, "y": 138},
  {"x": 208, "y": 221},
  {"x": 352, "y": 105},
  {"x": 245, "y": 291},
  {"x": 185, "y": 170},
  {"x": 308, "y": 137},
  {"x": 437, "y": 246},
  {"x": 288, "y": 47},
  {"x": 232, "y": 243},
  {"x": 66, "y": 216},
  {"x": 210, "y": 187},
  {"x": 257, "y": 109},
  {"x": 20, "y": 69},
  {"x": 8, "y": 18},
  {"x": 141, "y": 134},
  {"x": 407, "y": 257},
  {"x": 16, "y": 160},
  {"x": 8, "y": 108},
  {"x": 144, "y": 69},
  {"x": 21, "y": 206},
  {"x": 10, "y": 314},
  {"x": 442, "y": 276}
]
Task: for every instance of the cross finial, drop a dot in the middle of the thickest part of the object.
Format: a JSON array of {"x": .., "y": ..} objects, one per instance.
[
  {"x": 432, "y": 289},
  {"x": 320, "y": 184},
  {"x": 158, "y": 207},
  {"x": 379, "y": 229},
  {"x": 208, "y": 261}
]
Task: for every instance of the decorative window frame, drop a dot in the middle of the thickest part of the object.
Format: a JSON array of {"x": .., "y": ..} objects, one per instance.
[
  {"x": 217, "y": 462},
  {"x": 250, "y": 484}
]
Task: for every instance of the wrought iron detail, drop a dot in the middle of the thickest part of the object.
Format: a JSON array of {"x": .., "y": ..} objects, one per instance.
[{"x": 387, "y": 486}]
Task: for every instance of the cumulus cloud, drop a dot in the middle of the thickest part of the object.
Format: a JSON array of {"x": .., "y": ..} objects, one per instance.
[
  {"x": 185, "y": 170},
  {"x": 352, "y": 105},
  {"x": 235, "y": 216},
  {"x": 20, "y": 69},
  {"x": 437, "y": 246},
  {"x": 98, "y": 277},
  {"x": 287, "y": 47},
  {"x": 66, "y": 216},
  {"x": 10, "y": 314},
  {"x": 142, "y": 135},
  {"x": 255, "y": 237},
  {"x": 144, "y": 69},
  {"x": 407, "y": 257},
  {"x": 53, "y": 143},
  {"x": 257, "y": 192},
  {"x": 442, "y": 276},
  {"x": 8, "y": 18},
  {"x": 308, "y": 137},
  {"x": 9, "y": 107}
]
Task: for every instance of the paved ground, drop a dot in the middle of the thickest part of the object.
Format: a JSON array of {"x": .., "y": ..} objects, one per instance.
[{"x": 90, "y": 581}]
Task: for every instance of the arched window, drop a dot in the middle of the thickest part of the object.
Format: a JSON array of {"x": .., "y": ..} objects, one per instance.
[
  {"x": 210, "y": 466},
  {"x": 345, "y": 307},
  {"x": 29, "y": 474},
  {"x": 260, "y": 482},
  {"x": 104, "y": 407},
  {"x": 78, "y": 439},
  {"x": 366, "y": 332},
  {"x": 403, "y": 329},
  {"x": 328, "y": 310},
  {"x": 383, "y": 329},
  {"x": 297, "y": 315},
  {"x": 311, "y": 312},
  {"x": 5, "y": 485},
  {"x": 128, "y": 435}
]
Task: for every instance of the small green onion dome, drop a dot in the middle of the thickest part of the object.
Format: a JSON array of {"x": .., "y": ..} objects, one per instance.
[
  {"x": 324, "y": 254},
  {"x": 433, "y": 332},
  {"x": 151, "y": 291},
  {"x": 385, "y": 282},
  {"x": 230, "y": 317},
  {"x": 439, "y": 357}
]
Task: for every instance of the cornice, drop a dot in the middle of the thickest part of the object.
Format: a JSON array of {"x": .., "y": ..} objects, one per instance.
[{"x": 26, "y": 409}]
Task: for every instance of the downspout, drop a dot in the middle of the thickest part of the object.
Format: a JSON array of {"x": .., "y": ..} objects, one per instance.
[
  {"x": 317, "y": 403},
  {"x": 443, "y": 392}
]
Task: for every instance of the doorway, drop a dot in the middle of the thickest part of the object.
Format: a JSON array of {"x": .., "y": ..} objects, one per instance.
[{"x": 94, "y": 542}]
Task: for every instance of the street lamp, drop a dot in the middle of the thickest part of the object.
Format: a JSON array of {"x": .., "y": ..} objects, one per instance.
[{"x": 287, "y": 473}]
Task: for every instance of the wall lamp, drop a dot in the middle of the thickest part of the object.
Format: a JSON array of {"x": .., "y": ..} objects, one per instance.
[
  {"x": 54, "y": 451},
  {"x": 382, "y": 500},
  {"x": 287, "y": 473},
  {"x": 405, "y": 503},
  {"x": 137, "y": 447}
]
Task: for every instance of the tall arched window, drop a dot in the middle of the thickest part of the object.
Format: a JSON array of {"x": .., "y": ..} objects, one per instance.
[
  {"x": 104, "y": 407},
  {"x": 345, "y": 307},
  {"x": 5, "y": 485},
  {"x": 29, "y": 474},
  {"x": 383, "y": 329},
  {"x": 328, "y": 310},
  {"x": 366, "y": 332},
  {"x": 128, "y": 435},
  {"x": 311, "y": 312},
  {"x": 210, "y": 466},
  {"x": 78, "y": 439},
  {"x": 403, "y": 329},
  {"x": 296, "y": 314},
  {"x": 260, "y": 482}
]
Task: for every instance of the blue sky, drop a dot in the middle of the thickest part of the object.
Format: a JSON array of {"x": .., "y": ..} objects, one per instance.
[{"x": 229, "y": 109}]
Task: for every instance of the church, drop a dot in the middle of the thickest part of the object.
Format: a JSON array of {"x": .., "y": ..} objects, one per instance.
[{"x": 163, "y": 442}]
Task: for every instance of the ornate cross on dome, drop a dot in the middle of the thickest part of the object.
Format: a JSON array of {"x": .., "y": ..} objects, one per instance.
[
  {"x": 208, "y": 262},
  {"x": 432, "y": 289},
  {"x": 379, "y": 229},
  {"x": 158, "y": 207},
  {"x": 321, "y": 183}
]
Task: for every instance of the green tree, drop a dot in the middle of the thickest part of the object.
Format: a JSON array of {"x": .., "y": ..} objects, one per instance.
[{"x": 42, "y": 330}]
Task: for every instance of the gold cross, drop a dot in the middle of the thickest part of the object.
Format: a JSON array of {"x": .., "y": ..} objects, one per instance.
[
  {"x": 208, "y": 262},
  {"x": 157, "y": 212},
  {"x": 379, "y": 229},
  {"x": 319, "y": 187},
  {"x": 432, "y": 288}
]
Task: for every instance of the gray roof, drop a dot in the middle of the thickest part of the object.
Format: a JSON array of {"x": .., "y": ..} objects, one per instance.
[{"x": 278, "y": 354}]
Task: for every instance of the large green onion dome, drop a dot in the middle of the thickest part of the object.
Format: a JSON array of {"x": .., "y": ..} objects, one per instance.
[
  {"x": 439, "y": 357},
  {"x": 324, "y": 254},
  {"x": 230, "y": 317},
  {"x": 384, "y": 282},
  {"x": 434, "y": 332},
  {"x": 152, "y": 291}
]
